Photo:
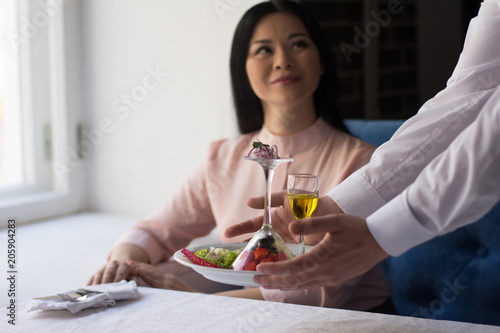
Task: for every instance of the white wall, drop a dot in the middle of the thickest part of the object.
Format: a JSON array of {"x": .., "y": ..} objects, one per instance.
[{"x": 155, "y": 141}]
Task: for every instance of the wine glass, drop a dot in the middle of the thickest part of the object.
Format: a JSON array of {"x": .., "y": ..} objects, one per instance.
[
  {"x": 266, "y": 245},
  {"x": 302, "y": 190}
]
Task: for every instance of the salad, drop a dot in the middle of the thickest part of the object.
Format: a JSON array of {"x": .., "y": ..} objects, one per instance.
[
  {"x": 219, "y": 256},
  {"x": 261, "y": 150},
  {"x": 216, "y": 257}
]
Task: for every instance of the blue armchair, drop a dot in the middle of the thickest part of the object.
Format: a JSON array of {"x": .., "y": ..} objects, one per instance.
[
  {"x": 453, "y": 277},
  {"x": 375, "y": 132}
]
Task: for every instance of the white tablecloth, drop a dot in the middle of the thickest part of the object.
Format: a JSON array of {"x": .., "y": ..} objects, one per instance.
[{"x": 159, "y": 310}]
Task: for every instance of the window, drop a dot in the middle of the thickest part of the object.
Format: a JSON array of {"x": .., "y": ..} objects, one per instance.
[
  {"x": 35, "y": 132},
  {"x": 10, "y": 116}
]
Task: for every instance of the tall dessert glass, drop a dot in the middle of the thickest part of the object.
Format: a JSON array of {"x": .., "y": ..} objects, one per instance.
[{"x": 266, "y": 245}]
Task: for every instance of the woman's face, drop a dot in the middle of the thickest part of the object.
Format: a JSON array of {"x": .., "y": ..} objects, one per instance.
[{"x": 283, "y": 63}]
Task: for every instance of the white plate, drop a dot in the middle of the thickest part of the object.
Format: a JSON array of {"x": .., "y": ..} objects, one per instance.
[{"x": 228, "y": 276}]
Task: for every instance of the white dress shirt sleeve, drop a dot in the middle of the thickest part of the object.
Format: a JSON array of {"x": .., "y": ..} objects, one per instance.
[
  {"x": 455, "y": 189},
  {"x": 397, "y": 163}
]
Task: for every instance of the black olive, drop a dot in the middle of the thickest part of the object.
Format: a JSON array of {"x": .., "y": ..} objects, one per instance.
[{"x": 266, "y": 242}]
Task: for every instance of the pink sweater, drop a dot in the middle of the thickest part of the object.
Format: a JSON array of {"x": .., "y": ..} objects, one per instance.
[{"x": 215, "y": 196}]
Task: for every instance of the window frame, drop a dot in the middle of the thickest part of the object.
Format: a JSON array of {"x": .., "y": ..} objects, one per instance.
[{"x": 63, "y": 192}]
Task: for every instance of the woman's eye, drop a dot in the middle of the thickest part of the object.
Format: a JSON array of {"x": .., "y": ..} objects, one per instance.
[
  {"x": 263, "y": 50},
  {"x": 300, "y": 43}
]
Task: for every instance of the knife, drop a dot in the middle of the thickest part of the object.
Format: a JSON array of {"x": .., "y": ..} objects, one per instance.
[
  {"x": 56, "y": 297},
  {"x": 80, "y": 293}
]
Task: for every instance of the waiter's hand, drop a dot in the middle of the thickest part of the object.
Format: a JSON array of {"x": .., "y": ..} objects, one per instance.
[
  {"x": 347, "y": 250},
  {"x": 281, "y": 218}
]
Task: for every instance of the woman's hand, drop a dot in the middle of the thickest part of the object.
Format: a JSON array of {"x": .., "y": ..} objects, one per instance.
[
  {"x": 157, "y": 278},
  {"x": 116, "y": 269},
  {"x": 112, "y": 271}
]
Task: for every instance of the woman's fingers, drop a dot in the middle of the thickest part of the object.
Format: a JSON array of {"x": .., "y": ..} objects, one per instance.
[
  {"x": 123, "y": 271},
  {"x": 113, "y": 271},
  {"x": 157, "y": 278},
  {"x": 96, "y": 278},
  {"x": 150, "y": 274}
]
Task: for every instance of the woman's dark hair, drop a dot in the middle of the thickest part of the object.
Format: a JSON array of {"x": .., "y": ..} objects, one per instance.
[{"x": 248, "y": 106}]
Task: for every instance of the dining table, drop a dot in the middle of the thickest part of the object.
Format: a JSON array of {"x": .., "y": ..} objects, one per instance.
[{"x": 161, "y": 310}]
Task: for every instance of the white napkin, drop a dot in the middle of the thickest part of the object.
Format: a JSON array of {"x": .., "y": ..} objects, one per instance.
[{"x": 111, "y": 292}]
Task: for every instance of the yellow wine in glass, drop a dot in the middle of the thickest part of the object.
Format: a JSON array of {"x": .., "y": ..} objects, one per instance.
[
  {"x": 303, "y": 191},
  {"x": 303, "y": 205}
]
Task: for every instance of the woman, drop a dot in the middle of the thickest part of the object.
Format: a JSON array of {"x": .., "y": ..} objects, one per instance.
[{"x": 283, "y": 85}]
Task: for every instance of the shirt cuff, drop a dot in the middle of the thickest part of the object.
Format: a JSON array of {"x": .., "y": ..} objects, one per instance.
[
  {"x": 395, "y": 228},
  {"x": 356, "y": 196},
  {"x": 142, "y": 239}
]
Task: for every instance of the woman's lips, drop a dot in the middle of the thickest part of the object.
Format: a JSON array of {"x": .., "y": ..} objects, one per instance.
[{"x": 286, "y": 80}]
